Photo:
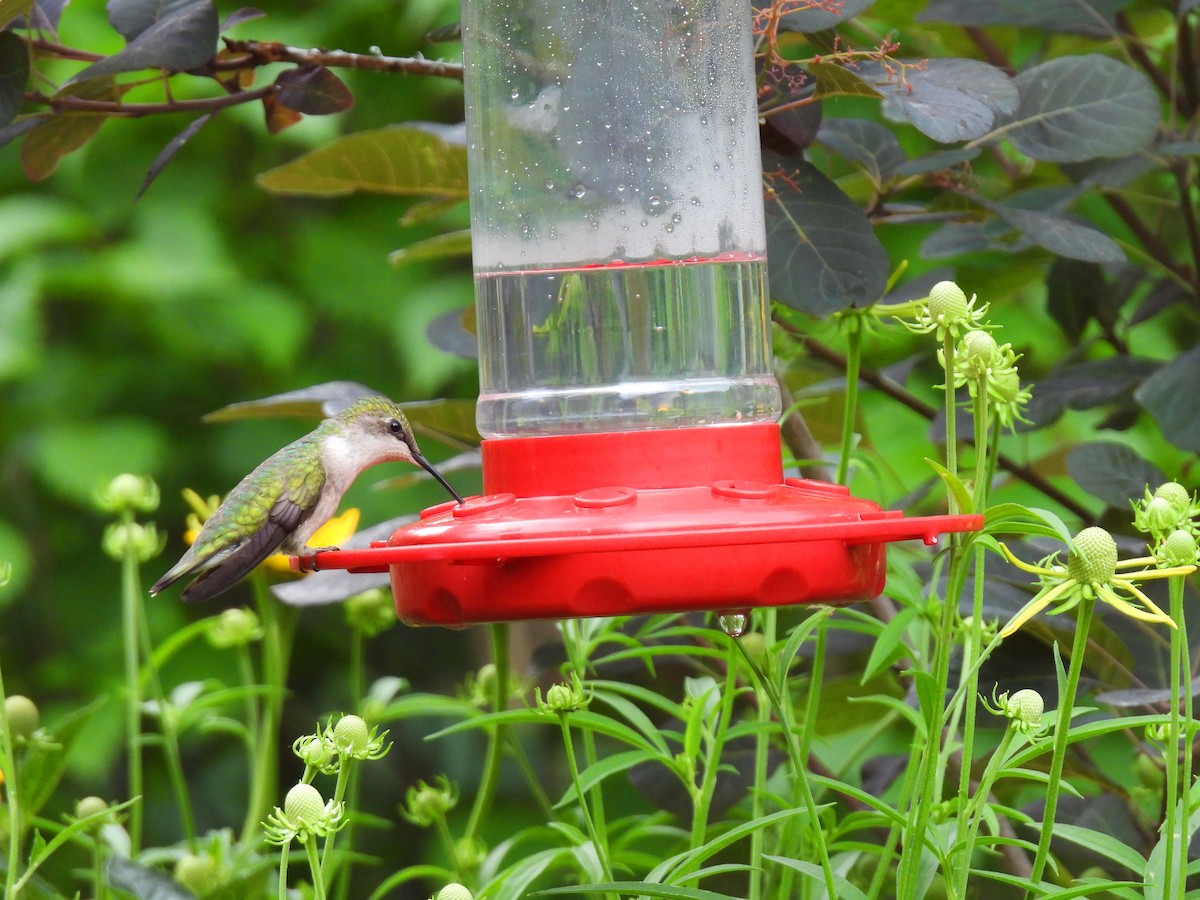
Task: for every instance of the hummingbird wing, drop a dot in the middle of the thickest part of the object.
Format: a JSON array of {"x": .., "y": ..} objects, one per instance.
[{"x": 283, "y": 519}]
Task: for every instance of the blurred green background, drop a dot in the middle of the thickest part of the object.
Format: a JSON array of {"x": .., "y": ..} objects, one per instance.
[{"x": 122, "y": 322}]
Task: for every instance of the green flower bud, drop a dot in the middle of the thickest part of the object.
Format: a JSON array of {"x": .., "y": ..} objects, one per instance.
[
  {"x": 314, "y": 751},
  {"x": 199, "y": 874},
  {"x": 1026, "y": 706},
  {"x": 304, "y": 804},
  {"x": 351, "y": 734},
  {"x": 425, "y": 804},
  {"x": 371, "y": 612},
  {"x": 1177, "y": 495},
  {"x": 947, "y": 303},
  {"x": 234, "y": 627},
  {"x": 23, "y": 716},
  {"x": 1161, "y": 515},
  {"x": 563, "y": 698},
  {"x": 1178, "y": 549},
  {"x": 979, "y": 345},
  {"x": 134, "y": 493},
  {"x": 90, "y": 806},
  {"x": 454, "y": 891},
  {"x": 1094, "y": 559},
  {"x": 124, "y": 538}
]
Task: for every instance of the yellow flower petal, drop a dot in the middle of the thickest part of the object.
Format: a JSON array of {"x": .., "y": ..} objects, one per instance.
[
  {"x": 1021, "y": 564},
  {"x": 1036, "y": 605},
  {"x": 333, "y": 533},
  {"x": 1153, "y": 614}
]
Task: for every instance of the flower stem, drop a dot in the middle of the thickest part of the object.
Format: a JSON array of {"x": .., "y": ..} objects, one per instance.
[
  {"x": 278, "y": 622},
  {"x": 1062, "y": 729},
  {"x": 569, "y": 747},
  {"x": 714, "y": 744},
  {"x": 762, "y": 747},
  {"x": 8, "y": 766},
  {"x": 131, "y": 627},
  {"x": 345, "y": 775},
  {"x": 850, "y": 396},
  {"x": 314, "y": 866},
  {"x": 1171, "y": 755},
  {"x": 284, "y": 853},
  {"x": 496, "y": 735}
]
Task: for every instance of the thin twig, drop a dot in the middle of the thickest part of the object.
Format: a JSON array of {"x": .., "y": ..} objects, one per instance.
[{"x": 266, "y": 52}]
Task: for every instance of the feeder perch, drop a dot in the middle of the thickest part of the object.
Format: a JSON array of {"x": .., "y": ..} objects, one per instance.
[{"x": 631, "y": 460}]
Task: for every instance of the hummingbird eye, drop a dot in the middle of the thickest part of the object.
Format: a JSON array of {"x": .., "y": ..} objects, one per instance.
[{"x": 395, "y": 427}]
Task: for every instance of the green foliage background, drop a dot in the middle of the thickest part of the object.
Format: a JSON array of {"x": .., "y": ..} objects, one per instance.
[{"x": 123, "y": 322}]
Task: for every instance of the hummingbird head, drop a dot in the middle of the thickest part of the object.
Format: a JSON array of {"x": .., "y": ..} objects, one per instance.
[{"x": 375, "y": 430}]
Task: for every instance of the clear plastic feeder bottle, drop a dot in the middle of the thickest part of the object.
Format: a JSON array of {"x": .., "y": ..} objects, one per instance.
[{"x": 617, "y": 218}]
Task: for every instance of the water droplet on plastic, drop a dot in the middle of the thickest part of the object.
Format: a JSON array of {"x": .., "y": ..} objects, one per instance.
[
  {"x": 734, "y": 623},
  {"x": 516, "y": 94},
  {"x": 578, "y": 191},
  {"x": 676, "y": 218},
  {"x": 654, "y": 202},
  {"x": 549, "y": 185}
]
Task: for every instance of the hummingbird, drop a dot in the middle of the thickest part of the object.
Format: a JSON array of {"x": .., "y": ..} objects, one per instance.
[{"x": 289, "y": 496}]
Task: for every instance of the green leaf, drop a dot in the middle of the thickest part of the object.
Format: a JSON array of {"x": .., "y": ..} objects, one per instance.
[
  {"x": 838, "y": 81},
  {"x": 602, "y": 769},
  {"x": 949, "y": 100},
  {"x": 641, "y": 888},
  {"x": 1105, "y": 845},
  {"x": 318, "y": 401},
  {"x": 890, "y": 643},
  {"x": 822, "y": 250},
  {"x": 962, "y": 496},
  {"x": 845, "y": 890},
  {"x": 1081, "y": 107},
  {"x": 453, "y": 243},
  {"x": 399, "y": 161},
  {"x": 1114, "y": 472},
  {"x": 1170, "y": 396},
  {"x": 14, "y": 73},
  {"x": 13, "y": 9},
  {"x": 43, "y": 766},
  {"x": 184, "y": 40},
  {"x": 53, "y": 139}
]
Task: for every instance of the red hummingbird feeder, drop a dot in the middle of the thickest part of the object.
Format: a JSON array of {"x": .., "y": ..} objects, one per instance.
[{"x": 631, "y": 457}]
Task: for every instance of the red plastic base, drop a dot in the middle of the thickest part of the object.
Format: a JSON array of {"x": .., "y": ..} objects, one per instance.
[{"x": 637, "y": 522}]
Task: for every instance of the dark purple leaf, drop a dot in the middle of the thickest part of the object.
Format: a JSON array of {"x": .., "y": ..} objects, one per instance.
[
  {"x": 168, "y": 152},
  {"x": 131, "y": 17},
  {"x": 818, "y": 19},
  {"x": 947, "y": 99},
  {"x": 794, "y": 128},
  {"x": 1113, "y": 472},
  {"x": 10, "y": 133},
  {"x": 1073, "y": 291},
  {"x": 823, "y": 253},
  {"x": 937, "y": 161},
  {"x": 1087, "y": 385},
  {"x": 1090, "y": 17},
  {"x": 1060, "y": 235},
  {"x": 238, "y": 16},
  {"x": 1170, "y": 396},
  {"x": 313, "y": 91},
  {"x": 449, "y": 333},
  {"x": 867, "y": 144},
  {"x": 45, "y": 15},
  {"x": 1082, "y": 107},
  {"x": 184, "y": 41},
  {"x": 14, "y": 73}
]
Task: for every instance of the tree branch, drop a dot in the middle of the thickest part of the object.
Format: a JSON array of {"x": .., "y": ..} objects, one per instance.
[
  {"x": 261, "y": 53},
  {"x": 137, "y": 110}
]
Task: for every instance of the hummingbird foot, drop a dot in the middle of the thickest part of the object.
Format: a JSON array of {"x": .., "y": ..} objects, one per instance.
[{"x": 308, "y": 560}]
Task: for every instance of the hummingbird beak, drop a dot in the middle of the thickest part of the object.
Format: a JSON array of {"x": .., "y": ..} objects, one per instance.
[{"x": 428, "y": 467}]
